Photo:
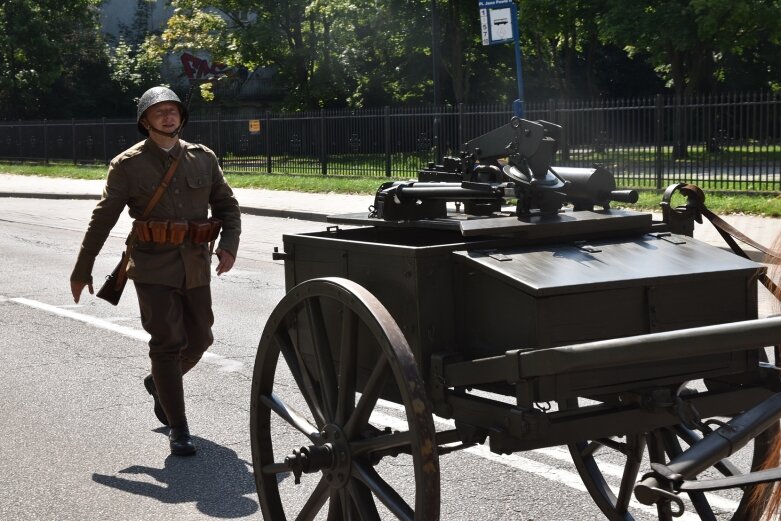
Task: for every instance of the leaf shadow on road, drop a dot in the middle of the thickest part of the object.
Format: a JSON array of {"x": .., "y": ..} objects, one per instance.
[{"x": 214, "y": 478}]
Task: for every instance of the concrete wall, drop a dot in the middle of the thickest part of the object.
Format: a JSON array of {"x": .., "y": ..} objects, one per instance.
[{"x": 117, "y": 15}]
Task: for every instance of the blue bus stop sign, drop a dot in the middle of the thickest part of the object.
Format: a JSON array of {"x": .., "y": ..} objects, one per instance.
[{"x": 499, "y": 24}]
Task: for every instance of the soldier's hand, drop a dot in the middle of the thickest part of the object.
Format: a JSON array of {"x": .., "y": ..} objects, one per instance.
[
  {"x": 77, "y": 287},
  {"x": 226, "y": 261}
]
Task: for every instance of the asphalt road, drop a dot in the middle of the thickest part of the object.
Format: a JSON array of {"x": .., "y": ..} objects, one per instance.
[{"x": 80, "y": 441}]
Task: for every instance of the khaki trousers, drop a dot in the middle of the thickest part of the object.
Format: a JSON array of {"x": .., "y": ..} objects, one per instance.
[{"x": 180, "y": 324}]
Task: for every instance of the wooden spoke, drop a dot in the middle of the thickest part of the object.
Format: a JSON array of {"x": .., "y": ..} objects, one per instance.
[
  {"x": 635, "y": 446},
  {"x": 385, "y": 493},
  {"x": 315, "y": 503},
  {"x": 348, "y": 353},
  {"x": 325, "y": 363},
  {"x": 371, "y": 393},
  {"x": 363, "y": 501},
  {"x": 301, "y": 375},
  {"x": 290, "y": 415}
]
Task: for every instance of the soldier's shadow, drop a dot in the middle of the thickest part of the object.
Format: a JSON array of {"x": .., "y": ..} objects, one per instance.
[{"x": 215, "y": 479}]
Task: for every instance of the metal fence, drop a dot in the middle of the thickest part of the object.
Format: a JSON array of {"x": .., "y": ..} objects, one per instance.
[{"x": 727, "y": 142}]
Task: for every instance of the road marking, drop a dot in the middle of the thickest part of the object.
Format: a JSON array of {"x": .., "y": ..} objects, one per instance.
[{"x": 223, "y": 364}]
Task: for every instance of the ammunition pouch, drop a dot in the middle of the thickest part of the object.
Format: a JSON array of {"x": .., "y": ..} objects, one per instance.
[
  {"x": 175, "y": 231},
  {"x": 205, "y": 230}
]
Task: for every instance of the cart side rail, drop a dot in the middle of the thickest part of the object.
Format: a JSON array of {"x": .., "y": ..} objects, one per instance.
[{"x": 520, "y": 364}]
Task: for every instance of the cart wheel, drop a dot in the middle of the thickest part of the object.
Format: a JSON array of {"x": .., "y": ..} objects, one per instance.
[
  {"x": 321, "y": 451},
  {"x": 618, "y": 460}
]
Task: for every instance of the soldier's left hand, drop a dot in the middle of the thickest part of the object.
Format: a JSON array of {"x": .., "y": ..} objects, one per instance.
[{"x": 226, "y": 261}]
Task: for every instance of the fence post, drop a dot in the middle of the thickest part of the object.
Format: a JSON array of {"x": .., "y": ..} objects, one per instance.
[
  {"x": 435, "y": 141},
  {"x": 563, "y": 112},
  {"x": 105, "y": 144},
  {"x": 19, "y": 139},
  {"x": 460, "y": 126},
  {"x": 268, "y": 142},
  {"x": 659, "y": 120},
  {"x": 551, "y": 110},
  {"x": 323, "y": 156},
  {"x": 219, "y": 140},
  {"x": 387, "y": 142},
  {"x": 45, "y": 143},
  {"x": 73, "y": 138}
]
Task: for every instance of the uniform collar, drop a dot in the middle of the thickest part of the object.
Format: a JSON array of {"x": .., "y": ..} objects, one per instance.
[{"x": 159, "y": 152}]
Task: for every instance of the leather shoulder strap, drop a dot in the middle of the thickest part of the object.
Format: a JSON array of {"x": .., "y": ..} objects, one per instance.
[{"x": 164, "y": 183}]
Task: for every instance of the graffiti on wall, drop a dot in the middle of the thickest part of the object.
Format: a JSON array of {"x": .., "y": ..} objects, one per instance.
[
  {"x": 232, "y": 82},
  {"x": 196, "y": 68}
]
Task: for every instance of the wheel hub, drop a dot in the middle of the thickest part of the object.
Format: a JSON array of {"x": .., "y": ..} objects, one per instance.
[{"x": 331, "y": 456}]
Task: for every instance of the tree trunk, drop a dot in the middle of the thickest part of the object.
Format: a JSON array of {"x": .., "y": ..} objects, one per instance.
[{"x": 676, "y": 59}]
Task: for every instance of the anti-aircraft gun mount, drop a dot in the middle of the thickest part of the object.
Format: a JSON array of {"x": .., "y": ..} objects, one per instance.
[
  {"x": 561, "y": 321},
  {"x": 510, "y": 162}
]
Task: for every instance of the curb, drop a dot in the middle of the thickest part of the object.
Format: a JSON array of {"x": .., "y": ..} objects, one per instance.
[
  {"x": 288, "y": 214},
  {"x": 249, "y": 210},
  {"x": 48, "y": 195}
]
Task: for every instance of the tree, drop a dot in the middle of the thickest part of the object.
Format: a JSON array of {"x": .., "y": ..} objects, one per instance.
[
  {"x": 49, "y": 50},
  {"x": 325, "y": 53},
  {"x": 285, "y": 35},
  {"x": 687, "y": 40}
]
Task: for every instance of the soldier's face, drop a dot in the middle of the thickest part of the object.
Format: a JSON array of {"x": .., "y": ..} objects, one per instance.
[{"x": 164, "y": 116}]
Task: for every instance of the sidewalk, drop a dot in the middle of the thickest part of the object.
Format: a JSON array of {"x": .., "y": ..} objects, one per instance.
[
  {"x": 272, "y": 203},
  {"x": 315, "y": 207}
]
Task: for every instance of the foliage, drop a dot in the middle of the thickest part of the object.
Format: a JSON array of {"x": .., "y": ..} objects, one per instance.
[
  {"x": 687, "y": 41},
  {"x": 51, "y": 56},
  {"x": 369, "y": 53}
]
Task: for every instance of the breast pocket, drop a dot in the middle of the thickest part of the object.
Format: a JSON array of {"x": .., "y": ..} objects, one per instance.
[{"x": 199, "y": 187}]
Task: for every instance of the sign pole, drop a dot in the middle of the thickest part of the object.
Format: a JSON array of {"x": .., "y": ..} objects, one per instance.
[
  {"x": 499, "y": 24},
  {"x": 518, "y": 108}
]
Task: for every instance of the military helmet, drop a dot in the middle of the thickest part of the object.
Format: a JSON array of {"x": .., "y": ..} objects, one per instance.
[{"x": 154, "y": 96}]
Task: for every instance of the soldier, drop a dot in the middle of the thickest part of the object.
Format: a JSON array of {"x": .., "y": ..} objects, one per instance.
[{"x": 170, "y": 270}]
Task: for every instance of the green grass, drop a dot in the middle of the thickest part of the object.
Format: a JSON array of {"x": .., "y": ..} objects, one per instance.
[
  {"x": 722, "y": 203},
  {"x": 55, "y": 170}
]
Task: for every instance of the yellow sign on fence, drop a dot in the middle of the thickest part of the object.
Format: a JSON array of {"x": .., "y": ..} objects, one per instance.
[{"x": 254, "y": 126}]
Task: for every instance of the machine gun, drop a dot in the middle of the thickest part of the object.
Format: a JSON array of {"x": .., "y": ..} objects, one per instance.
[{"x": 510, "y": 162}]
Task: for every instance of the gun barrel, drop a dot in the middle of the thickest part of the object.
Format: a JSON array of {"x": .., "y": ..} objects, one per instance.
[
  {"x": 447, "y": 191},
  {"x": 624, "y": 196}
]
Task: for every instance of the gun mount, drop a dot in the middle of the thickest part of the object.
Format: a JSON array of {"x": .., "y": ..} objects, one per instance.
[{"x": 510, "y": 162}]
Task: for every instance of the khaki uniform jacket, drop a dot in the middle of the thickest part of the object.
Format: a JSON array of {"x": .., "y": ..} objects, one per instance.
[{"x": 197, "y": 185}]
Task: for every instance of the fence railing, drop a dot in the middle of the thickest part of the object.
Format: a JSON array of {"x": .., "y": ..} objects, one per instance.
[{"x": 726, "y": 142}]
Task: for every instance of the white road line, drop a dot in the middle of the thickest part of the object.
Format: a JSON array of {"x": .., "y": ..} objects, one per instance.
[{"x": 224, "y": 364}]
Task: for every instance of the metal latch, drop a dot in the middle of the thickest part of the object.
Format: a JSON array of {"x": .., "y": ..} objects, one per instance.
[
  {"x": 581, "y": 245},
  {"x": 495, "y": 254},
  {"x": 278, "y": 255},
  {"x": 667, "y": 236}
]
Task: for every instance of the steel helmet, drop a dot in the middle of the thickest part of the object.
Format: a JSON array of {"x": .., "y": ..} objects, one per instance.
[{"x": 154, "y": 96}]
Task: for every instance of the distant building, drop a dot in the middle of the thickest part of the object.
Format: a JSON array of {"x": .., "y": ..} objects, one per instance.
[{"x": 133, "y": 20}]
